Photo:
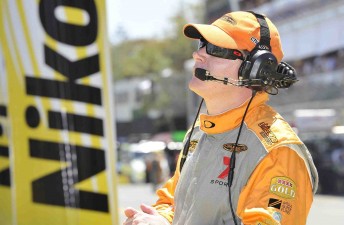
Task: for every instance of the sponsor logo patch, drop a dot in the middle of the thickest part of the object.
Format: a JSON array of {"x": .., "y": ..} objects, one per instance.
[
  {"x": 286, "y": 207},
  {"x": 276, "y": 203},
  {"x": 231, "y": 146},
  {"x": 222, "y": 177},
  {"x": 267, "y": 134},
  {"x": 227, "y": 163},
  {"x": 283, "y": 206},
  {"x": 283, "y": 187},
  {"x": 219, "y": 182},
  {"x": 208, "y": 124},
  {"x": 193, "y": 145}
]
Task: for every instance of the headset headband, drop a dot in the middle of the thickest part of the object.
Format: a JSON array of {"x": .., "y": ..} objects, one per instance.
[{"x": 264, "y": 42}]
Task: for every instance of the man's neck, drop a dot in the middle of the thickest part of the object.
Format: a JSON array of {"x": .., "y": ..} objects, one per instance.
[{"x": 225, "y": 103}]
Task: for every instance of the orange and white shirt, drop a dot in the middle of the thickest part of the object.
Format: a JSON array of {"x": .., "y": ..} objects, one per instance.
[{"x": 274, "y": 178}]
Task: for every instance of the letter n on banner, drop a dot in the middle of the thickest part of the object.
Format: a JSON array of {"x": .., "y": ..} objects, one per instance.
[{"x": 59, "y": 113}]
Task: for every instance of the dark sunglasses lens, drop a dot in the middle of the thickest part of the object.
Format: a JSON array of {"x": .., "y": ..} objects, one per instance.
[
  {"x": 215, "y": 50},
  {"x": 202, "y": 43},
  {"x": 223, "y": 52}
]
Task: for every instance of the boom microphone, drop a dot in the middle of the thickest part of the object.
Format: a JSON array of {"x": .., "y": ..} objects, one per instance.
[
  {"x": 284, "y": 77},
  {"x": 204, "y": 75}
]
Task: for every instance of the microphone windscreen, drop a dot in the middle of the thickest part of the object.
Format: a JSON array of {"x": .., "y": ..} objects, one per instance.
[{"x": 201, "y": 74}]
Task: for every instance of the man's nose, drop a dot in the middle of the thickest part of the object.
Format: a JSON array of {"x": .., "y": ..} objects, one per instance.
[{"x": 199, "y": 55}]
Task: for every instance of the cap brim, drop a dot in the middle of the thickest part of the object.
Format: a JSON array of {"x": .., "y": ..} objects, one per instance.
[{"x": 211, "y": 33}]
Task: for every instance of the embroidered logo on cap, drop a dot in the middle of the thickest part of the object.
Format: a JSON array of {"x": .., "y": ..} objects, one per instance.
[{"x": 229, "y": 19}]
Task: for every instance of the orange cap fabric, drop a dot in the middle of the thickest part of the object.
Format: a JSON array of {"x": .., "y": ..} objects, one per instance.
[{"x": 236, "y": 30}]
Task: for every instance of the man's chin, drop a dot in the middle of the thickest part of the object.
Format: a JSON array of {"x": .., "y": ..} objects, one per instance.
[{"x": 196, "y": 85}]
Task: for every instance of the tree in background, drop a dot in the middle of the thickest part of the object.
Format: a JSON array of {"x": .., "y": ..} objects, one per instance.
[
  {"x": 162, "y": 62},
  {"x": 139, "y": 58}
]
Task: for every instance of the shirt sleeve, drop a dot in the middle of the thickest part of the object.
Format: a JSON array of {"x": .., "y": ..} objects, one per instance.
[
  {"x": 279, "y": 191},
  {"x": 165, "y": 202}
]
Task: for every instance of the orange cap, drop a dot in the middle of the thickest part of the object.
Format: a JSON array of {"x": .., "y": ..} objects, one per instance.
[{"x": 235, "y": 30}]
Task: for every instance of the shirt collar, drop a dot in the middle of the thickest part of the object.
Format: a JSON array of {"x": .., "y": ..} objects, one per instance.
[{"x": 215, "y": 124}]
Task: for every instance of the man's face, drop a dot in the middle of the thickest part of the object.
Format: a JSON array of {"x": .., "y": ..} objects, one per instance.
[{"x": 218, "y": 67}]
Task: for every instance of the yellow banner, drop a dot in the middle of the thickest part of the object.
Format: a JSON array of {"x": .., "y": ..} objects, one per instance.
[
  {"x": 5, "y": 170},
  {"x": 57, "y": 154}
]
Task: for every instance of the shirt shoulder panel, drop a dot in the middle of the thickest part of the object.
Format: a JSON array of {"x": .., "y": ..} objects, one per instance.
[
  {"x": 279, "y": 183},
  {"x": 270, "y": 127}
]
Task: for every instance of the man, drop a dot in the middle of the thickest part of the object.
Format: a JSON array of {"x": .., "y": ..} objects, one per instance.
[{"x": 242, "y": 164}]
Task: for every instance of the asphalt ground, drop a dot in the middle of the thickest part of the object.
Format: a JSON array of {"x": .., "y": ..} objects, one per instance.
[{"x": 325, "y": 210}]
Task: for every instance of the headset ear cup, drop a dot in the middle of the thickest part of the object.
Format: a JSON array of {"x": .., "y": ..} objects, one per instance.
[
  {"x": 244, "y": 70},
  {"x": 258, "y": 69},
  {"x": 240, "y": 71},
  {"x": 264, "y": 64}
]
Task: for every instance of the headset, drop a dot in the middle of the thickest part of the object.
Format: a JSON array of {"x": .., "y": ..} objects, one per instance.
[{"x": 260, "y": 70}]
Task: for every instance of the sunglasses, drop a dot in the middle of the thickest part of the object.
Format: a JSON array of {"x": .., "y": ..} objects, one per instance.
[{"x": 219, "y": 52}]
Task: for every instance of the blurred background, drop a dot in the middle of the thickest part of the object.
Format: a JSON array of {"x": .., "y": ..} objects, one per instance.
[
  {"x": 152, "y": 64},
  {"x": 61, "y": 163}
]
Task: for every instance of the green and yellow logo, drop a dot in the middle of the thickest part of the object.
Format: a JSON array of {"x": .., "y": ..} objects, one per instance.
[{"x": 283, "y": 187}]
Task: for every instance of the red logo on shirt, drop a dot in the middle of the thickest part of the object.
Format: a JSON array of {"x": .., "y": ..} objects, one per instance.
[{"x": 227, "y": 162}]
